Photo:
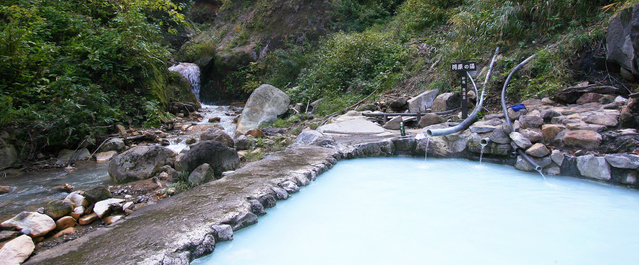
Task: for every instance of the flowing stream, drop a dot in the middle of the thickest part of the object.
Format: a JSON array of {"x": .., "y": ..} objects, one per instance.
[{"x": 407, "y": 211}]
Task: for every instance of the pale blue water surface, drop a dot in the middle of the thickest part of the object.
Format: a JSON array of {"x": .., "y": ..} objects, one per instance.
[{"x": 411, "y": 211}]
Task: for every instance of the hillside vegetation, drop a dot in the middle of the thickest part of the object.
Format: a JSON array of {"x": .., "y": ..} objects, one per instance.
[{"x": 70, "y": 70}]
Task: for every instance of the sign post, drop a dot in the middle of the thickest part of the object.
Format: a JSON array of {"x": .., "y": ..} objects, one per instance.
[{"x": 462, "y": 68}]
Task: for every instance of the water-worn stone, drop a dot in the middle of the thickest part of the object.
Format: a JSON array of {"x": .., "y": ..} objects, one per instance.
[
  {"x": 219, "y": 157},
  {"x": 538, "y": 150},
  {"x": 8, "y": 156},
  {"x": 520, "y": 140},
  {"x": 5, "y": 189},
  {"x": 394, "y": 123},
  {"x": 557, "y": 157},
  {"x": 17, "y": 250},
  {"x": 105, "y": 207},
  {"x": 584, "y": 139},
  {"x": 223, "y": 232},
  {"x": 623, "y": 160},
  {"x": 97, "y": 193},
  {"x": 593, "y": 167},
  {"x": 219, "y": 135},
  {"x": 423, "y": 101},
  {"x": 113, "y": 144},
  {"x": 201, "y": 174},
  {"x": 429, "y": 119},
  {"x": 264, "y": 105},
  {"x": 111, "y": 219},
  {"x": 77, "y": 212},
  {"x": 6, "y": 235},
  {"x": 313, "y": 137},
  {"x": 57, "y": 208},
  {"x": 65, "y": 222},
  {"x": 242, "y": 143},
  {"x": 446, "y": 101},
  {"x": 38, "y": 224},
  {"x": 105, "y": 156},
  {"x": 139, "y": 163},
  {"x": 64, "y": 232},
  {"x": 87, "y": 219}
]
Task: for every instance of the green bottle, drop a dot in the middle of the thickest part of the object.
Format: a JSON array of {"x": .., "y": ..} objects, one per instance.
[{"x": 401, "y": 128}]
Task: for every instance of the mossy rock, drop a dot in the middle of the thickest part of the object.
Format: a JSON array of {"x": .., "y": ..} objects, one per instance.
[{"x": 57, "y": 208}]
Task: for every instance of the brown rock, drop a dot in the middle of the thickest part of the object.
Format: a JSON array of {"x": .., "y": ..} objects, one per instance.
[
  {"x": 191, "y": 141},
  {"x": 581, "y": 138},
  {"x": 429, "y": 119},
  {"x": 589, "y": 98},
  {"x": 67, "y": 231},
  {"x": 550, "y": 131},
  {"x": 87, "y": 219},
  {"x": 77, "y": 212},
  {"x": 5, "y": 189},
  {"x": 603, "y": 119},
  {"x": 65, "y": 222},
  {"x": 257, "y": 133},
  {"x": 538, "y": 150},
  {"x": 534, "y": 135},
  {"x": 531, "y": 121},
  {"x": 214, "y": 119},
  {"x": 112, "y": 219}
]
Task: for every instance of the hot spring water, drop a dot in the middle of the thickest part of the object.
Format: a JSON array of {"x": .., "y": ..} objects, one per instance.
[{"x": 407, "y": 211}]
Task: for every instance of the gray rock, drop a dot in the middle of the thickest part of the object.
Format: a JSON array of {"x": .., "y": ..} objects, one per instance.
[
  {"x": 242, "y": 143},
  {"x": 244, "y": 219},
  {"x": 523, "y": 165},
  {"x": 113, "y": 144},
  {"x": 499, "y": 136},
  {"x": 593, "y": 167},
  {"x": 67, "y": 155},
  {"x": 220, "y": 157},
  {"x": 353, "y": 126},
  {"x": 223, "y": 232},
  {"x": 76, "y": 199},
  {"x": 393, "y": 124},
  {"x": 548, "y": 114},
  {"x": 399, "y": 104},
  {"x": 586, "y": 127},
  {"x": 139, "y": 163},
  {"x": 256, "y": 207},
  {"x": 514, "y": 115},
  {"x": 8, "y": 156},
  {"x": 290, "y": 186},
  {"x": 630, "y": 178},
  {"x": 264, "y": 105},
  {"x": 219, "y": 135},
  {"x": 482, "y": 129},
  {"x": 312, "y": 137},
  {"x": 105, "y": 156},
  {"x": 557, "y": 157},
  {"x": 538, "y": 150},
  {"x": 520, "y": 140},
  {"x": 603, "y": 119},
  {"x": 534, "y": 135},
  {"x": 531, "y": 121},
  {"x": 280, "y": 193},
  {"x": 423, "y": 101},
  {"x": 553, "y": 170},
  {"x": 37, "y": 224},
  {"x": 201, "y": 174},
  {"x": 620, "y": 41},
  {"x": 17, "y": 250},
  {"x": 446, "y": 101},
  {"x": 97, "y": 193},
  {"x": 623, "y": 160}
]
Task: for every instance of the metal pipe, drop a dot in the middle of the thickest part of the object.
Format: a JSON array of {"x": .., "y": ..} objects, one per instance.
[
  {"x": 505, "y": 109},
  {"x": 473, "y": 116},
  {"x": 484, "y": 141}
]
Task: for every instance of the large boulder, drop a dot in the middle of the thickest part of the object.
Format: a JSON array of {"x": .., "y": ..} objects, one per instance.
[
  {"x": 67, "y": 155},
  {"x": 219, "y": 156},
  {"x": 581, "y": 138},
  {"x": 17, "y": 250},
  {"x": 312, "y": 137},
  {"x": 621, "y": 39},
  {"x": 201, "y": 174},
  {"x": 139, "y": 163},
  {"x": 219, "y": 135},
  {"x": 423, "y": 101},
  {"x": 264, "y": 105},
  {"x": 32, "y": 223},
  {"x": 8, "y": 156},
  {"x": 593, "y": 167},
  {"x": 446, "y": 101},
  {"x": 113, "y": 144},
  {"x": 429, "y": 119},
  {"x": 629, "y": 117}
]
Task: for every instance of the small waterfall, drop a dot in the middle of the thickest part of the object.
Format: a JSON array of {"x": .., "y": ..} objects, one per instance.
[
  {"x": 481, "y": 155},
  {"x": 192, "y": 72},
  {"x": 422, "y": 136}
]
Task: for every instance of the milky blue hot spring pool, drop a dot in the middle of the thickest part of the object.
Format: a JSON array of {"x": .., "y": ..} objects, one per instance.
[{"x": 411, "y": 211}]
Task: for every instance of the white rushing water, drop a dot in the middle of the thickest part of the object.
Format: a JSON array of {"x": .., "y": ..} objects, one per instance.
[
  {"x": 192, "y": 72},
  {"x": 407, "y": 211}
]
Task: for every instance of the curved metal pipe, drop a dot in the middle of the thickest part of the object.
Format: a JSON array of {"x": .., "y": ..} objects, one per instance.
[
  {"x": 473, "y": 116},
  {"x": 484, "y": 141},
  {"x": 505, "y": 109}
]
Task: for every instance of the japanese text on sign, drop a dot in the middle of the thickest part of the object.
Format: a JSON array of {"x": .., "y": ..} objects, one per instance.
[{"x": 463, "y": 66}]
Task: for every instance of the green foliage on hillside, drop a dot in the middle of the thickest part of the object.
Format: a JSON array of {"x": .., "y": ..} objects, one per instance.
[{"x": 70, "y": 69}]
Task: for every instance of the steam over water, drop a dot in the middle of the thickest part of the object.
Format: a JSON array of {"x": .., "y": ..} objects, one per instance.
[{"x": 407, "y": 211}]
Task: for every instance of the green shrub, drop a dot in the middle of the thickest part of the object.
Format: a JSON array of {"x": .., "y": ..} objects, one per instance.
[{"x": 358, "y": 15}]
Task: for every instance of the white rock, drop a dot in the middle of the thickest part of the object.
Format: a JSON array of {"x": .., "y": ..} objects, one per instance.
[
  {"x": 103, "y": 208},
  {"x": 105, "y": 156},
  {"x": 76, "y": 199},
  {"x": 557, "y": 157},
  {"x": 520, "y": 140},
  {"x": 17, "y": 250},
  {"x": 37, "y": 224}
]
